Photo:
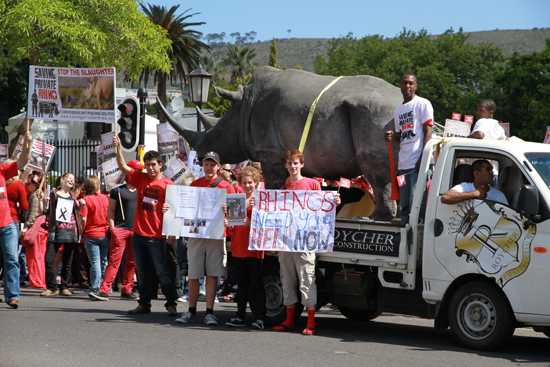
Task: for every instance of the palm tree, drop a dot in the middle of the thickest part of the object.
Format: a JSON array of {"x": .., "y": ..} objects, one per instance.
[
  {"x": 186, "y": 45},
  {"x": 239, "y": 59}
]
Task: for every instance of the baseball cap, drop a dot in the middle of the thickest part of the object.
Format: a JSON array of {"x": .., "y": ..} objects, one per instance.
[
  {"x": 135, "y": 164},
  {"x": 212, "y": 156}
]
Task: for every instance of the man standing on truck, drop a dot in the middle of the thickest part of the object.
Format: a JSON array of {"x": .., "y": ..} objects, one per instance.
[
  {"x": 486, "y": 127},
  {"x": 413, "y": 128},
  {"x": 479, "y": 189}
]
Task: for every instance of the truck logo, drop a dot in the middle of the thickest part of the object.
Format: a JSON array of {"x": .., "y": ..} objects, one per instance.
[{"x": 493, "y": 236}]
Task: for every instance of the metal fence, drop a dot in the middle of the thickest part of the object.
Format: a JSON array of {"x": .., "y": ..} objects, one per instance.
[{"x": 78, "y": 156}]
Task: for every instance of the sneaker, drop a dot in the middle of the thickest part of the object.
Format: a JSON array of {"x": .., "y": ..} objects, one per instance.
[
  {"x": 210, "y": 320},
  {"x": 216, "y": 300},
  {"x": 140, "y": 310},
  {"x": 98, "y": 296},
  {"x": 186, "y": 318},
  {"x": 258, "y": 324},
  {"x": 130, "y": 296},
  {"x": 171, "y": 309},
  {"x": 49, "y": 293},
  {"x": 65, "y": 292},
  {"x": 13, "y": 303},
  {"x": 235, "y": 322}
]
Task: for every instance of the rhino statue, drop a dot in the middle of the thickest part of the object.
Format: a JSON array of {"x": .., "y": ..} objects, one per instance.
[{"x": 268, "y": 115}]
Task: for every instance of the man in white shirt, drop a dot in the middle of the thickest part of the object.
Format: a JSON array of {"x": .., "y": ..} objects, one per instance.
[
  {"x": 413, "y": 128},
  {"x": 486, "y": 127},
  {"x": 479, "y": 189}
]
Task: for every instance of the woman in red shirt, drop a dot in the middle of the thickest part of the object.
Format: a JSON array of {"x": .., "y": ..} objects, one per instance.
[
  {"x": 247, "y": 264},
  {"x": 94, "y": 211}
]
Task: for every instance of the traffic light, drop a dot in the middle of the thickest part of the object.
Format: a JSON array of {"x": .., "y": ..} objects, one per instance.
[{"x": 129, "y": 123}]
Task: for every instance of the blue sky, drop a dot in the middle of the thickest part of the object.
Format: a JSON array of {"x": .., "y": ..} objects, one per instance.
[{"x": 328, "y": 19}]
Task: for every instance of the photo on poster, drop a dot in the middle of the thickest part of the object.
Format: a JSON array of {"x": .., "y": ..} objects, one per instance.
[{"x": 236, "y": 209}]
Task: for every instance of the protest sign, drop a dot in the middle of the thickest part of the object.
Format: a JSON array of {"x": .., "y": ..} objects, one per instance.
[
  {"x": 64, "y": 210},
  {"x": 293, "y": 220},
  {"x": 547, "y": 136},
  {"x": 167, "y": 139},
  {"x": 178, "y": 172},
  {"x": 112, "y": 176},
  {"x": 194, "y": 212},
  {"x": 3, "y": 152},
  {"x": 40, "y": 157},
  {"x": 236, "y": 209},
  {"x": 106, "y": 150},
  {"x": 506, "y": 127},
  {"x": 194, "y": 164},
  {"x": 71, "y": 94},
  {"x": 456, "y": 128},
  {"x": 183, "y": 149}
]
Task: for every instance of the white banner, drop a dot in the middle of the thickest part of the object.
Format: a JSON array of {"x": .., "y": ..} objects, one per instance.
[
  {"x": 194, "y": 164},
  {"x": 167, "y": 139},
  {"x": 456, "y": 128},
  {"x": 293, "y": 220},
  {"x": 112, "y": 176},
  {"x": 194, "y": 212},
  {"x": 72, "y": 94}
]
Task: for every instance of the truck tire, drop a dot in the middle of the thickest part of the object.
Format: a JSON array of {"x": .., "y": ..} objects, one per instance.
[
  {"x": 480, "y": 317},
  {"x": 274, "y": 308},
  {"x": 359, "y": 315}
]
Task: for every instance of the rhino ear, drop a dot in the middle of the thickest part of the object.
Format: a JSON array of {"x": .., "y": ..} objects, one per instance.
[
  {"x": 233, "y": 96},
  {"x": 208, "y": 121}
]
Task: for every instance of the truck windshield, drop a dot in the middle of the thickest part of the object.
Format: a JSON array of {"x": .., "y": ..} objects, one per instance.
[{"x": 541, "y": 162}]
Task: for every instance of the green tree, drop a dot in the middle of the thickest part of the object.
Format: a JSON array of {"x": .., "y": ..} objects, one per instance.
[
  {"x": 273, "y": 54},
  {"x": 84, "y": 33},
  {"x": 239, "y": 59},
  {"x": 186, "y": 44}
]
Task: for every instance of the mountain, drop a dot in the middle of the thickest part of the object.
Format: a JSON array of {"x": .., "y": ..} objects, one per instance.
[{"x": 301, "y": 52}]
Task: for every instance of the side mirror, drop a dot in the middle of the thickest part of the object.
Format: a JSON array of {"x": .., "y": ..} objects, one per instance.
[{"x": 528, "y": 203}]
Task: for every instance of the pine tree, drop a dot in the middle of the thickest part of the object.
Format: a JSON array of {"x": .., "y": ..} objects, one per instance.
[{"x": 273, "y": 54}]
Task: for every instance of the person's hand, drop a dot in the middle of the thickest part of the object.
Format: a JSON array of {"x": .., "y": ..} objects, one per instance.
[
  {"x": 82, "y": 202},
  {"x": 388, "y": 136},
  {"x": 116, "y": 141},
  {"x": 39, "y": 194},
  {"x": 250, "y": 202},
  {"x": 165, "y": 207},
  {"x": 482, "y": 191}
]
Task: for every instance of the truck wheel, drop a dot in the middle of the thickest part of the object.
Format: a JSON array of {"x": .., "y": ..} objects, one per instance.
[
  {"x": 274, "y": 308},
  {"x": 359, "y": 315},
  {"x": 479, "y": 316}
]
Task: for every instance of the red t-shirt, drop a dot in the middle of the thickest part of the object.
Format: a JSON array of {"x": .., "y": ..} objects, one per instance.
[
  {"x": 96, "y": 212},
  {"x": 305, "y": 183},
  {"x": 7, "y": 171},
  {"x": 150, "y": 199},
  {"x": 239, "y": 241},
  {"x": 17, "y": 194},
  {"x": 205, "y": 182}
]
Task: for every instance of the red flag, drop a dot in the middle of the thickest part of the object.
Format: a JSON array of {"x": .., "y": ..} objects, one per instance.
[
  {"x": 394, "y": 195},
  {"x": 344, "y": 182}
]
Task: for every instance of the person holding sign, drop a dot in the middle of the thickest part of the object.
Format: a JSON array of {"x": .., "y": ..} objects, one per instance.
[
  {"x": 247, "y": 264},
  {"x": 297, "y": 269},
  {"x": 64, "y": 229},
  {"x": 486, "y": 126},
  {"x": 205, "y": 256},
  {"x": 153, "y": 259},
  {"x": 8, "y": 230}
]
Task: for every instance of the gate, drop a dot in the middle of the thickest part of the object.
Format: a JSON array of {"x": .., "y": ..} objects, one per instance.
[{"x": 78, "y": 156}]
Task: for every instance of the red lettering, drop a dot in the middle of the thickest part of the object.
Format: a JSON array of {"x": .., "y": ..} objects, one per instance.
[
  {"x": 329, "y": 201},
  {"x": 284, "y": 208},
  {"x": 263, "y": 201},
  {"x": 296, "y": 198},
  {"x": 47, "y": 94}
]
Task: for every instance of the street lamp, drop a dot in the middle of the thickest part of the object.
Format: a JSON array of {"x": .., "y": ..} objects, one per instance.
[{"x": 200, "y": 84}]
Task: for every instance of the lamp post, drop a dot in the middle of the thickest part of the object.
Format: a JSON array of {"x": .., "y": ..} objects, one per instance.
[{"x": 200, "y": 84}]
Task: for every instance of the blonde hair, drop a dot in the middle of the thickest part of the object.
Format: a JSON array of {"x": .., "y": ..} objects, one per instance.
[
  {"x": 250, "y": 172},
  {"x": 91, "y": 185}
]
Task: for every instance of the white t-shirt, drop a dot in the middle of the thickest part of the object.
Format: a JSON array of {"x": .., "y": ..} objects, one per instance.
[
  {"x": 409, "y": 120},
  {"x": 493, "y": 194},
  {"x": 490, "y": 128}
]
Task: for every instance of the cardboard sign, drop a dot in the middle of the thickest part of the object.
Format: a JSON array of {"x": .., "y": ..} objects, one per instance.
[
  {"x": 293, "y": 221},
  {"x": 178, "y": 172},
  {"x": 40, "y": 157},
  {"x": 64, "y": 210},
  {"x": 236, "y": 209},
  {"x": 167, "y": 139},
  {"x": 111, "y": 175},
  {"x": 72, "y": 94},
  {"x": 194, "y": 212},
  {"x": 456, "y": 128}
]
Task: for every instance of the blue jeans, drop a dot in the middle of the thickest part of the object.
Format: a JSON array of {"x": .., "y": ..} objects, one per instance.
[
  {"x": 98, "y": 250},
  {"x": 154, "y": 266},
  {"x": 8, "y": 244},
  {"x": 406, "y": 193}
]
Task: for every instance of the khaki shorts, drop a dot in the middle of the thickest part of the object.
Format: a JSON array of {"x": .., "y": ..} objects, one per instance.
[
  {"x": 298, "y": 272},
  {"x": 205, "y": 257}
]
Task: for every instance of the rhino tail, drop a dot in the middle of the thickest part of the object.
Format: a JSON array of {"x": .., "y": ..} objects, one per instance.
[{"x": 192, "y": 137}]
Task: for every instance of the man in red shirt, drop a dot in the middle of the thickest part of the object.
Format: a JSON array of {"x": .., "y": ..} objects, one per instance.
[
  {"x": 19, "y": 204},
  {"x": 9, "y": 235},
  {"x": 205, "y": 256},
  {"x": 150, "y": 248}
]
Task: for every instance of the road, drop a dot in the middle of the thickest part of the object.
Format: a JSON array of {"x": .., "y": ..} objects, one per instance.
[{"x": 78, "y": 332}]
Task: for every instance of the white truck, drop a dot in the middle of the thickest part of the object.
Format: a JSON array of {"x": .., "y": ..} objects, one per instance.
[{"x": 478, "y": 267}]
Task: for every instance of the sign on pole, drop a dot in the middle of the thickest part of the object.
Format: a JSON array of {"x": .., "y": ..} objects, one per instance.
[
  {"x": 71, "y": 94},
  {"x": 293, "y": 221},
  {"x": 167, "y": 139},
  {"x": 456, "y": 128},
  {"x": 40, "y": 156}
]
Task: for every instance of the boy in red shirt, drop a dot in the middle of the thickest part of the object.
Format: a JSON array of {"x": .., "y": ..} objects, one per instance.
[
  {"x": 150, "y": 248},
  {"x": 297, "y": 269},
  {"x": 205, "y": 256}
]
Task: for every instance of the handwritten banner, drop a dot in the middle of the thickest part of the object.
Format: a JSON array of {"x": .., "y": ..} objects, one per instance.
[
  {"x": 71, "y": 94},
  {"x": 293, "y": 221}
]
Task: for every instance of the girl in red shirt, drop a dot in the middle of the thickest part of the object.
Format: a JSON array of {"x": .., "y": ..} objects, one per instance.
[{"x": 247, "y": 264}]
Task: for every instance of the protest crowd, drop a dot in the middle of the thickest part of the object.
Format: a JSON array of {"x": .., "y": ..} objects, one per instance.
[{"x": 77, "y": 236}]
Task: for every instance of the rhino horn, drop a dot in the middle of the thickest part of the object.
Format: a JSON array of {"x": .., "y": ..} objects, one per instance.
[
  {"x": 233, "y": 96},
  {"x": 192, "y": 137},
  {"x": 208, "y": 121}
]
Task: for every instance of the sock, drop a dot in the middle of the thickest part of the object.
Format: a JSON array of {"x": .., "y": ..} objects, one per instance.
[
  {"x": 209, "y": 310},
  {"x": 289, "y": 321},
  {"x": 193, "y": 310},
  {"x": 310, "y": 325}
]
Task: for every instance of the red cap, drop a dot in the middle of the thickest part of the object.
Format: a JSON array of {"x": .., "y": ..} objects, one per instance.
[{"x": 135, "y": 165}]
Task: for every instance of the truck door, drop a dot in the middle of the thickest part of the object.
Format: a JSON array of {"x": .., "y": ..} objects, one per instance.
[{"x": 491, "y": 238}]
